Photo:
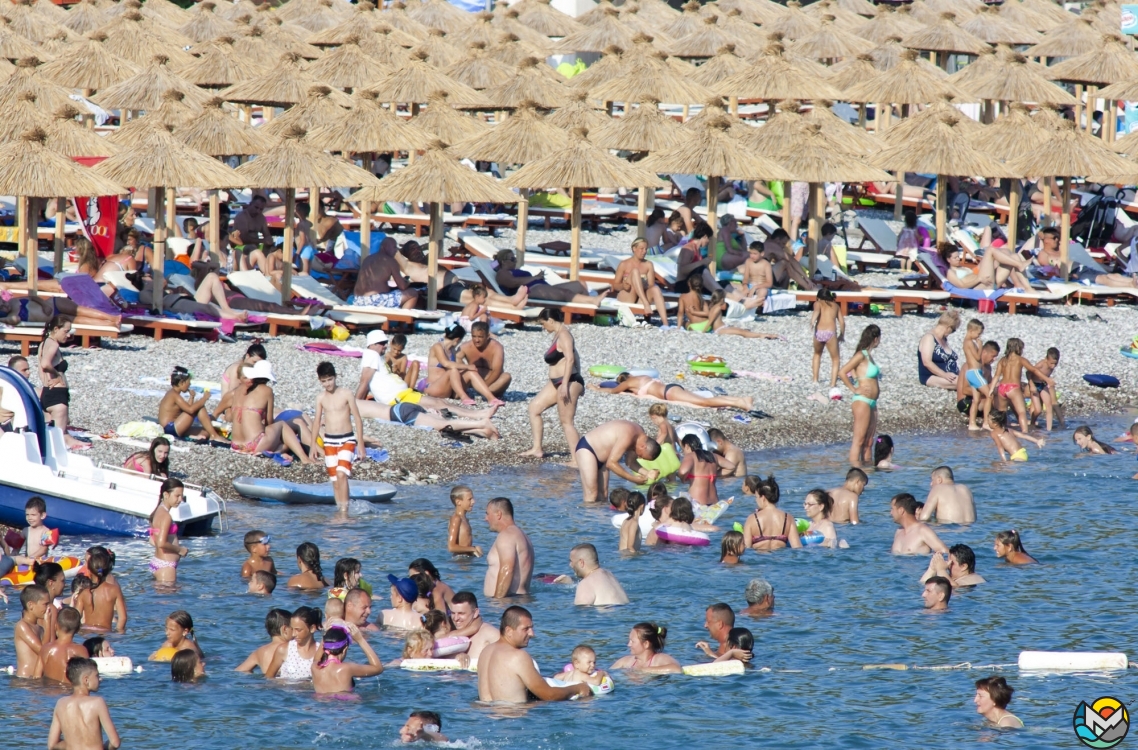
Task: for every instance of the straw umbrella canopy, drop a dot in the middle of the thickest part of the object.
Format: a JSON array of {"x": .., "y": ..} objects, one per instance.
[
  {"x": 937, "y": 110},
  {"x": 580, "y": 165},
  {"x": 89, "y": 66},
  {"x": 852, "y": 71},
  {"x": 831, "y": 42},
  {"x": 944, "y": 37},
  {"x": 719, "y": 68},
  {"x": 505, "y": 18},
  {"x": 347, "y": 66},
  {"x": 396, "y": 15},
  {"x": 884, "y": 25},
  {"x": 437, "y": 50},
  {"x": 68, "y": 137},
  {"x": 608, "y": 31},
  {"x": 1109, "y": 62},
  {"x": 1055, "y": 12},
  {"x": 388, "y": 44},
  {"x": 1013, "y": 135},
  {"x": 480, "y": 31},
  {"x": 841, "y": 134},
  {"x": 773, "y": 76},
  {"x": 1070, "y": 153},
  {"x": 611, "y": 65},
  {"x": 282, "y": 38},
  {"x": 323, "y": 16},
  {"x": 318, "y": 107},
  {"x": 439, "y": 14},
  {"x": 436, "y": 178},
  {"x": 137, "y": 39},
  {"x": 847, "y": 19},
  {"x": 579, "y": 113},
  {"x": 290, "y": 164},
  {"x": 206, "y": 24},
  {"x": 171, "y": 112},
  {"x": 83, "y": 17},
  {"x": 716, "y": 152},
  {"x": 528, "y": 84},
  {"x": 649, "y": 78},
  {"x": 778, "y": 134},
  {"x": 21, "y": 116},
  {"x": 29, "y": 168},
  {"x": 1028, "y": 15},
  {"x": 543, "y": 18},
  {"x": 1127, "y": 144},
  {"x": 445, "y": 122},
  {"x": 219, "y": 65},
  {"x": 215, "y": 132},
  {"x": 48, "y": 95},
  {"x": 359, "y": 23},
  {"x": 283, "y": 85},
  {"x": 702, "y": 41},
  {"x": 889, "y": 55},
  {"x": 1069, "y": 40},
  {"x": 416, "y": 81},
  {"x": 906, "y": 83},
  {"x": 744, "y": 33},
  {"x": 794, "y": 24},
  {"x": 993, "y": 28},
  {"x": 13, "y": 46},
  {"x": 145, "y": 90},
  {"x": 478, "y": 70},
  {"x": 33, "y": 26},
  {"x": 156, "y": 159},
  {"x": 511, "y": 49},
  {"x": 1014, "y": 81},
  {"x": 941, "y": 148}
]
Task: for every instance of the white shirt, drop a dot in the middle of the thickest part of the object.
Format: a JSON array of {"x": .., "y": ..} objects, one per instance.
[{"x": 384, "y": 385}]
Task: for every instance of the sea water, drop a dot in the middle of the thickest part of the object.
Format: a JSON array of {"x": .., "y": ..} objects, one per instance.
[{"x": 836, "y": 610}]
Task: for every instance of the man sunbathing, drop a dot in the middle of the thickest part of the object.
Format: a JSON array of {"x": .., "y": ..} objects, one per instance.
[
  {"x": 36, "y": 309},
  {"x": 413, "y": 264},
  {"x": 380, "y": 283}
]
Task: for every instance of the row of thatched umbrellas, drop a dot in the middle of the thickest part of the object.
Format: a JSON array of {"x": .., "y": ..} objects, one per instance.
[{"x": 365, "y": 51}]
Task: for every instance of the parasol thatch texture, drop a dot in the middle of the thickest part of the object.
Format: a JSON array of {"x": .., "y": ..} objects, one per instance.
[
  {"x": 318, "y": 107},
  {"x": 851, "y": 139},
  {"x": 1014, "y": 81},
  {"x": 293, "y": 163},
  {"x": 32, "y": 26},
  {"x": 642, "y": 128},
  {"x": 479, "y": 31},
  {"x": 852, "y": 71},
  {"x": 687, "y": 22},
  {"x": 216, "y": 132},
  {"x": 436, "y": 177},
  {"x": 396, "y": 15},
  {"x": 937, "y": 111},
  {"x": 528, "y": 84},
  {"x": 1071, "y": 153},
  {"x": 439, "y": 14},
  {"x": 437, "y": 50},
  {"x": 146, "y": 89},
  {"x": 416, "y": 81},
  {"x": 505, "y": 19},
  {"x": 87, "y": 64},
  {"x": 445, "y": 122},
  {"x": 719, "y": 68},
  {"x": 1026, "y": 15},
  {"x": 611, "y": 65},
  {"x": 890, "y": 54},
  {"x": 744, "y": 33},
  {"x": 993, "y": 28},
  {"x": 369, "y": 127},
  {"x": 794, "y": 24},
  {"x": 157, "y": 159},
  {"x": 360, "y": 23},
  {"x": 1013, "y": 135},
  {"x": 170, "y": 113},
  {"x": 774, "y": 76},
  {"x": 940, "y": 147},
  {"x": 28, "y": 167},
  {"x": 543, "y": 18},
  {"x": 13, "y": 46},
  {"x": 1123, "y": 91},
  {"x": 830, "y": 42},
  {"x": 703, "y": 42},
  {"x": 68, "y": 137},
  {"x": 282, "y": 39},
  {"x": 1127, "y": 144},
  {"x": 755, "y": 11},
  {"x": 649, "y": 78},
  {"x": 49, "y": 96},
  {"x": 21, "y": 116},
  {"x": 905, "y": 83},
  {"x": 206, "y": 24},
  {"x": 885, "y": 25},
  {"x": 608, "y": 31},
  {"x": 478, "y": 70},
  {"x": 521, "y": 139},
  {"x": 579, "y": 113},
  {"x": 285, "y": 84},
  {"x": 715, "y": 150},
  {"x": 1109, "y": 62},
  {"x": 347, "y": 66},
  {"x": 83, "y": 17},
  {"x": 388, "y": 44},
  {"x": 322, "y": 17},
  {"x": 1069, "y": 40},
  {"x": 581, "y": 164},
  {"x": 219, "y": 65},
  {"x": 132, "y": 37},
  {"x": 511, "y": 49},
  {"x": 848, "y": 20},
  {"x": 814, "y": 158},
  {"x": 945, "y": 36}
]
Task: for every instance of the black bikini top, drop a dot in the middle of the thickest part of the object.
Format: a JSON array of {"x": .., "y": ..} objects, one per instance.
[
  {"x": 552, "y": 355},
  {"x": 62, "y": 366}
]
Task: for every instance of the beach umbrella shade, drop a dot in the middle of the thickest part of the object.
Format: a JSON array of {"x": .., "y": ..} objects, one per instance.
[
  {"x": 437, "y": 50},
  {"x": 993, "y": 28},
  {"x": 66, "y": 136},
  {"x": 844, "y": 136},
  {"x": 608, "y": 31},
  {"x": 506, "y": 18},
  {"x": 220, "y": 64},
  {"x": 851, "y": 72},
  {"x": 299, "y": 9},
  {"x": 359, "y": 23},
  {"x": 206, "y": 24},
  {"x": 846, "y": 19},
  {"x": 511, "y": 49},
  {"x": 658, "y": 12},
  {"x": 1048, "y": 9},
  {"x": 1070, "y": 153},
  {"x": 612, "y": 64},
  {"x": 1068, "y": 40},
  {"x": 742, "y": 32},
  {"x": 30, "y": 169},
  {"x": 439, "y": 14},
  {"x": 885, "y": 25},
  {"x": 145, "y": 90},
  {"x": 1109, "y": 62},
  {"x": 388, "y": 44},
  {"x": 944, "y": 37},
  {"x": 291, "y": 164},
  {"x": 528, "y": 84},
  {"x": 88, "y": 66},
  {"x": 33, "y": 26},
  {"x": 436, "y": 178},
  {"x": 170, "y": 112},
  {"x": 479, "y": 31},
  {"x": 156, "y": 159},
  {"x": 719, "y": 68},
  {"x": 445, "y": 122},
  {"x": 906, "y": 83},
  {"x": 318, "y": 107},
  {"x": 773, "y": 76},
  {"x": 396, "y": 15},
  {"x": 862, "y": 8},
  {"x": 543, "y": 18},
  {"x": 578, "y": 166},
  {"x": 22, "y": 115},
  {"x": 416, "y": 81},
  {"x": 754, "y": 11},
  {"x": 324, "y": 16},
  {"x": 889, "y": 55},
  {"x": 940, "y": 148},
  {"x": 83, "y": 17},
  {"x": 282, "y": 86},
  {"x": 1027, "y": 15},
  {"x": 1012, "y": 80},
  {"x": 161, "y": 10},
  {"x": 689, "y": 21},
  {"x": 13, "y": 46},
  {"x": 522, "y": 138},
  {"x": 717, "y": 152},
  {"x": 137, "y": 39},
  {"x": 478, "y": 70},
  {"x": 830, "y": 42},
  {"x": 704, "y": 42},
  {"x": 649, "y": 78},
  {"x": 282, "y": 37},
  {"x": 794, "y": 24},
  {"x": 578, "y": 113},
  {"x": 629, "y": 15},
  {"x": 24, "y": 79},
  {"x": 347, "y": 66}
]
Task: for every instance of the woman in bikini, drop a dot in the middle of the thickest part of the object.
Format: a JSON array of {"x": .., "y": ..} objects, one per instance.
[
  {"x": 311, "y": 575},
  {"x": 232, "y": 375},
  {"x": 164, "y": 533},
  {"x": 254, "y": 430},
  {"x": 155, "y": 461},
  {"x": 1008, "y": 381},
  {"x": 646, "y": 651},
  {"x": 176, "y": 413},
  {"x": 708, "y": 317},
  {"x": 861, "y": 376},
  {"x": 829, "y": 327},
  {"x": 55, "y": 396},
  {"x": 565, "y": 384},
  {"x": 768, "y": 517},
  {"x": 700, "y": 469},
  {"x": 447, "y": 378},
  {"x": 101, "y": 603},
  {"x": 643, "y": 386},
  {"x": 1009, "y": 547}
]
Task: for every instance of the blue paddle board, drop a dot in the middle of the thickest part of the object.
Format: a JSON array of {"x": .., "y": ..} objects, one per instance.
[{"x": 281, "y": 491}]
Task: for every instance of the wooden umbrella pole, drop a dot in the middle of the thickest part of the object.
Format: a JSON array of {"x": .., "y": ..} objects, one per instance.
[
  {"x": 941, "y": 208},
  {"x": 171, "y": 211},
  {"x": 158, "y": 256},
  {"x": 1078, "y": 105},
  {"x": 786, "y": 189},
  {"x": 733, "y": 105},
  {"x": 22, "y": 234},
  {"x": 1047, "y": 201},
  {"x": 1110, "y": 121},
  {"x": 862, "y": 117},
  {"x": 286, "y": 275},
  {"x": 434, "y": 249},
  {"x": 899, "y": 197},
  {"x": 712, "y": 201},
  {"x": 523, "y": 225},
  {"x": 88, "y": 118},
  {"x": 365, "y": 217},
  {"x": 1014, "y": 198},
  {"x": 812, "y": 227},
  {"x": 1065, "y": 230},
  {"x": 60, "y": 216},
  {"x": 575, "y": 236},
  {"x": 215, "y": 226},
  {"x": 1092, "y": 105}
]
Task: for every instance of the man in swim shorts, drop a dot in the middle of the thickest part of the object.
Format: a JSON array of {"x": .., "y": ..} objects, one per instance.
[
  {"x": 948, "y": 501},
  {"x": 914, "y": 537},
  {"x": 378, "y": 272},
  {"x": 468, "y": 622},
  {"x": 506, "y": 673},
  {"x": 598, "y": 587},
  {"x": 760, "y": 598},
  {"x": 509, "y": 563},
  {"x": 600, "y": 451},
  {"x": 936, "y": 594}
]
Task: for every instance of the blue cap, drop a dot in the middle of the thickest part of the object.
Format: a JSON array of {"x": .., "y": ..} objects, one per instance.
[{"x": 407, "y": 588}]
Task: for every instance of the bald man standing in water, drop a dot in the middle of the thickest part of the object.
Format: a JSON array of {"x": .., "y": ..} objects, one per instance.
[
  {"x": 510, "y": 560},
  {"x": 600, "y": 451},
  {"x": 506, "y": 673},
  {"x": 948, "y": 501},
  {"x": 598, "y": 587}
]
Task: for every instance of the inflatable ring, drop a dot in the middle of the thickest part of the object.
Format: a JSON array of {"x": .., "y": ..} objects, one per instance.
[
  {"x": 1128, "y": 351},
  {"x": 604, "y": 688},
  {"x": 714, "y": 669},
  {"x": 667, "y": 463},
  {"x": 694, "y": 428},
  {"x": 710, "y": 371},
  {"x": 812, "y": 540},
  {"x": 711, "y": 513},
  {"x": 22, "y": 575},
  {"x": 449, "y": 646},
  {"x": 436, "y": 665},
  {"x": 675, "y": 535},
  {"x": 611, "y": 372}
]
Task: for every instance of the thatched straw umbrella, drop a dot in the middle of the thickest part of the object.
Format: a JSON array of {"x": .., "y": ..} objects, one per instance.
[
  {"x": 365, "y": 129},
  {"x": 445, "y": 122},
  {"x": 755, "y": 11},
  {"x": 543, "y": 18},
  {"x": 890, "y": 54},
  {"x": 416, "y": 81},
  {"x": 478, "y": 70},
  {"x": 1015, "y": 81},
  {"x": 848, "y": 20},
  {"x": 831, "y": 42},
  {"x": 145, "y": 90},
  {"x": 719, "y": 68},
  {"x": 347, "y": 66},
  {"x": 773, "y": 76},
  {"x": 318, "y": 107},
  {"x": 21, "y": 116},
  {"x": 1070, "y": 153},
  {"x": 206, "y": 24},
  {"x": 437, "y": 50},
  {"x": 993, "y": 28},
  {"x": 30, "y": 169},
  {"x": 359, "y": 23},
  {"x": 436, "y": 179},
  {"x": 944, "y": 37},
  {"x": 219, "y": 65},
  {"x": 511, "y": 49},
  {"x": 88, "y": 66},
  {"x": 137, "y": 39},
  {"x": 323, "y": 16},
  {"x": 439, "y": 14},
  {"x": 505, "y": 18},
  {"x": 703, "y": 42},
  {"x": 528, "y": 84},
  {"x": 396, "y": 15},
  {"x": 13, "y": 46},
  {"x": 688, "y": 21},
  {"x": 579, "y": 113},
  {"x": 280, "y": 38},
  {"x": 885, "y": 25},
  {"x": 1069, "y": 40},
  {"x": 717, "y": 153},
  {"x": 388, "y": 44},
  {"x": 49, "y": 96},
  {"x": 171, "y": 111},
  {"x": 607, "y": 32},
  {"x": 480, "y": 31},
  {"x": 844, "y": 136},
  {"x": 284, "y": 85},
  {"x": 291, "y": 164},
  {"x": 941, "y": 148},
  {"x": 157, "y": 160},
  {"x": 1110, "y": 62},
  {"x": 794, "y": 24},
  {"x": 851, "y": 72},
  {"x": 83, "y": 17},
  {"x": 649, "y": 78},
  {"x": 1028, "y": 15},
  {"x": 578, "y": 166}
]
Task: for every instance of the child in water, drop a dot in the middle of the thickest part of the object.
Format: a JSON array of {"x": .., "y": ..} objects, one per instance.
[
  {"x": 1086, "y": 440},
  {"x": 740, "y": 646},
  {"x": 186, "y": 666},
  {"x": 584, "y": 668},
  {"x": 630, "y": 528},
  {"x": 1009, "y": 546},
  {"x": 460, "y": 537},
  {"x": 179, "y": 636},
  {"x": 257, "y": 545},
  {"x": 278, "y": 625},
  {"x": 883, "y": 453},
  {"x": 82, "y": 716},
  {"x": 1006, "y": 440},
  {"x": 1046, "y": 402},
  {"x": 731, "y": 548}
]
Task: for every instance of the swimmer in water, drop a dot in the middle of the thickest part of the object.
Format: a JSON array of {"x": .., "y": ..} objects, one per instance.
[
  {"x": 598, "y": 587},
  {"x": 584, "y": 668},
  {"x": 883, "y": 453},
  {"x": 718, "y": 620},
  {"x": 423, "y": 725},
  {"x": 959, "y": 567},
  {"x": 630, "y": 527},
  {"x": 257, "y": 545},
  {"x": 760, "y": 598},
  {"x": 1009, "y": 547},
  {"x": 35, "y": 601},
  {"x": 179, "y": 636},
  {"x": 847, "y": 496},
  {"x": 311, "y": 575},
  {"x": 818, "y": 505},
  {"x": 936, "y": 594},
  {"x": 1085, "y": 439},
  {"x": 331, "y": 674},
  {"x": 507, "y": 673},
  {"x": 278, "y": 625},
  {"x": 914, "y": 537},
  {"x": 1007, "y": 440},
  {"x": 646, "y": 651},
  {"x": 81, "y": 717},
  {"x": 731, "y": 459},
  {"x": 731, "y": 548},
  {"x": 460, "y": 537},
  {"x": 993, "y": 694},
  {"x": 948, "y": 500},
  {"x": 740, "y": 646},
  {"x": 262, "y": 583}
]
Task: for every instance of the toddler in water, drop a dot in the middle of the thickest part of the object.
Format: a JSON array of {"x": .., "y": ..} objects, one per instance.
[
  {"x": 423, "y": 725},
  {"x": 1006, "y": 440},
  {"x": 583, "y": 662},
  {"x": 740, "y": 646}
]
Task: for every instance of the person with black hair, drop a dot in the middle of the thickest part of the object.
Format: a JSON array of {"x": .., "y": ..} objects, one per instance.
[
  {"x": 914, "y": 537},
  {"x": 103, "y": 601},
  {"x": 488, "y": 358},
  {"x": 184, "y": 417},
  {"x": 507, "y": 673},
  {"x": 422, "y": 725},
  {"x": 231, "y": 378},
  {"x": 154, "y": 461},
  {"x": 959, "y": 567}
]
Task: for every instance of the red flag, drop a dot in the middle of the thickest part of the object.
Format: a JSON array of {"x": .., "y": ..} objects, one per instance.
[{"x": 99, "y": 217}]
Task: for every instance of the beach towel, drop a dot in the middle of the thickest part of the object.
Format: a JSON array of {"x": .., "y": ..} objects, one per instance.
[
  {"x": 83, "y": 290},
  {"x": 330, "y": 349}
]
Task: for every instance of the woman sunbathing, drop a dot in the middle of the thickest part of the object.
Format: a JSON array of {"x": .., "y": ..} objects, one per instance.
[
  {"x": 643, "y": 386},
  {"x": 36, "y": 309},
  {"x": 706, "y": 317},
  {"x": 254, "y": 430}
]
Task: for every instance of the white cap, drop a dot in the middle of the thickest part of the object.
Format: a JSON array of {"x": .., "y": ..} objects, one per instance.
[
  {"x": 261, "y": 369},
  {"x": 377, "y": 336}
]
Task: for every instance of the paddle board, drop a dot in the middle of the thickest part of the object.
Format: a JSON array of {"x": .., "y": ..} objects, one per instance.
[{"x": 281, "y": 491}]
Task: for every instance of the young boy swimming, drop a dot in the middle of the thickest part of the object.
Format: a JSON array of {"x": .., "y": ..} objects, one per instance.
[
  {"x": 460, "y": 537},
  {"x": 1006, "y": 440},
  {"x": 257, "y": 545},
  {"x": 80, "y": 719},
  {"x": 54, "y": 658},
  {"x": 28, "y": 635}
]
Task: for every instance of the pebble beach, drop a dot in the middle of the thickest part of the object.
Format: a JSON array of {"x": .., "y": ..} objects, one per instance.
[{"x": 124, "y": 380}]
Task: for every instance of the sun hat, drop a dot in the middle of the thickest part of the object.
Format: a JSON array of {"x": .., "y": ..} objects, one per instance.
[
  {"x": 261, "y": 369},
  {"x": 377, "y": 336}
]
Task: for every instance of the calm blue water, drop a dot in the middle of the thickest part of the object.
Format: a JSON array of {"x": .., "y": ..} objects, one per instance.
[{"x": 836, "y": 610}]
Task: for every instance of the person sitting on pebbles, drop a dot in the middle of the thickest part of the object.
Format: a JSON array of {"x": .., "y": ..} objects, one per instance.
[
  {"x": 254, "y": 430},
  {"x": 178, "y": 415}
]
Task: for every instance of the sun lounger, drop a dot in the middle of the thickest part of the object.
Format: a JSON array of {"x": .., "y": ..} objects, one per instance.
[
  {"x": 877, "y": 233},
  {"x": 592, "y": 213},
  {"x": 255, "y": 285},
  {"x": 303, "y": 286},
  {"x": 89, "y": 335},
  {"x": 1013, "y": 298}
]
